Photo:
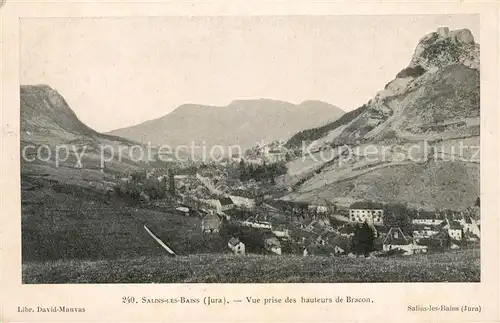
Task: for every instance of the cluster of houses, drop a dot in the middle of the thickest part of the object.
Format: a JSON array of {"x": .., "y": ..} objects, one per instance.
[
  {"x": 455, "y": 227},
  {"x": 271, "y": 243},
  {"x": 273, "y": 152},
  {"x": 214, "y": 207},
  {"x": 448, "y": 230},
  {"x": 210, "y": 210},
  {"x": 318, "y": 233},
  {"x": 459, "y": 227}
]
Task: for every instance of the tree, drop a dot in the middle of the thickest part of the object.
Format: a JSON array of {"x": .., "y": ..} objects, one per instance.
[
  {"x": 137, "y": 176},
  {"x": 152, "y": 188},
  {"x": 363, "y": 240},
  {"x": 224, "y": 229},
  {"x": 478, "y": 202},
  {"x": 398, "y": 215},
  {"x": 171, "y": 182},
  {"x": 165, "y": 183}
]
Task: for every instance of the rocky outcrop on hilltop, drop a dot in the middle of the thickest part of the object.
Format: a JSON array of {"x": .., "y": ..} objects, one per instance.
[
  {"x": 441, "y": 81},
  {"x": 445, "y": 66},
  {"x": 445, "y": 47},
  {"x": 436, "y": 100},
  {"x": 435, "y": 51}
]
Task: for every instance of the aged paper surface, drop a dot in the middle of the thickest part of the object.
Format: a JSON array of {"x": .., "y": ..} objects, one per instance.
[{"x": 249, "y": 161}]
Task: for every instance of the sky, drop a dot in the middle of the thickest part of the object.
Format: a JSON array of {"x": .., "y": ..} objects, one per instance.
[{"x": 117, "y": 72}]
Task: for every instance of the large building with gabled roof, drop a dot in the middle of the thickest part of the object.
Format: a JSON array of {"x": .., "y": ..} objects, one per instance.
[{"x": 395, "y": 239}]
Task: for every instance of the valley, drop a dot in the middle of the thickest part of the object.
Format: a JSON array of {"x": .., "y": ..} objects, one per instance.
[{"x": 387, "y": 192}]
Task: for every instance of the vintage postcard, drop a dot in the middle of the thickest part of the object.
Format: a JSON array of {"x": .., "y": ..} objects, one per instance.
[{"x": 237, "y": 161}]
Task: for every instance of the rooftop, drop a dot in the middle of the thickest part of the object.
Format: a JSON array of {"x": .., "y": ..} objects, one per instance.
[
  {"x": 396, "y": 237},
  {"x": 455, "y": 226},
  {"x": 233, "y": 241},
  {"x": 226, "y": 201},
  {"x": 425, "y": 227}
]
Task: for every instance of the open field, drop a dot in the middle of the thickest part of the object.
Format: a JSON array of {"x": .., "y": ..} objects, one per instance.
[
  {"x": 451, "y": 266},
  {"x": 70, "y": 222},
  {"x": 433, "y": 185}
]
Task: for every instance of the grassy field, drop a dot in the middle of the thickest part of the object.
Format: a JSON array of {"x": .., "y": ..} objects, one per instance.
[
  {"x": 452, "y": 266},
  {"x": 434, "y": 185},
  {"x": 60, "y": 222}
]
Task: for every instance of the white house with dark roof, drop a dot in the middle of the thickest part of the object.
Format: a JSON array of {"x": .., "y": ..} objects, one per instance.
[
  {"x": 272, "y": 244},
  {"x": 424, "y": 231},
  {"x": 455, "y": 231},
  {"x": 236, "y": 158},
  {"x": 226, "y": 204},
  {"x": 236, "y": 246},
  {"x": 396, "y": 239},
  {"x": 427, "y": 221},
  {"x": 318, "y": 208},
  {"x": 251, "y": 222}
]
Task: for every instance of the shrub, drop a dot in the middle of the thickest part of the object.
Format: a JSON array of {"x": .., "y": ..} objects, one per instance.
[
  {"x": 138, "y": 176},
  {"x": 154, "y": 189},
  {"x": 411, "y": 72},
  {"x": 261, "y": 172},
  {"x": 366, "y": 205}
]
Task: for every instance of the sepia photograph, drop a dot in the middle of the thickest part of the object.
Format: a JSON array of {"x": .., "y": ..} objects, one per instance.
[{"x": 250, "y": 149}]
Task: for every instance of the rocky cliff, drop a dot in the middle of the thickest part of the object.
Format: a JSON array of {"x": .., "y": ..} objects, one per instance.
[
  {"x": 434, "y": 101},
  {"x": 440, "y": 82}
]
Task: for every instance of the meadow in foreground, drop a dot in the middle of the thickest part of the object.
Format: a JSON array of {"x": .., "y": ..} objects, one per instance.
[{"x": 450, "y": 266}]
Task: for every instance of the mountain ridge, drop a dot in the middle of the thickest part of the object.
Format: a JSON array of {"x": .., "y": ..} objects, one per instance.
[
  {"x": 434, "y": 52},
  {"x": 72, "y": 151},
  {"x": 235, "y": 123},
  {"x": 55, "y": 115}
]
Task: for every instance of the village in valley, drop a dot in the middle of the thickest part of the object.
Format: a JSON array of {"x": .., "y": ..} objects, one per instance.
[
  {"x": 240, "y": 202},
  {"x": 386, "y": 192}
]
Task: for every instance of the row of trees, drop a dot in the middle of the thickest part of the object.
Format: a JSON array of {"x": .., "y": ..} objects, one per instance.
[
  {"x": 140, "y": 187},
  {"x": 264, "y": 172}
]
